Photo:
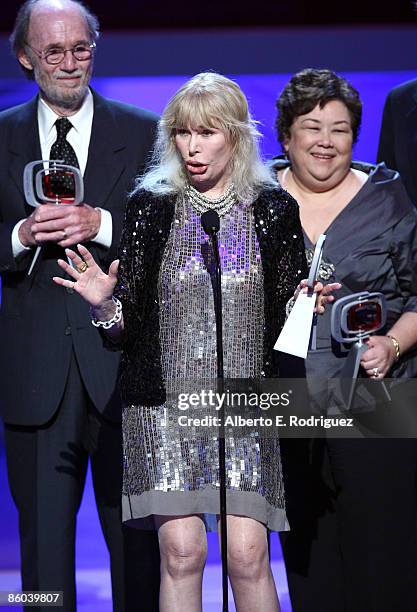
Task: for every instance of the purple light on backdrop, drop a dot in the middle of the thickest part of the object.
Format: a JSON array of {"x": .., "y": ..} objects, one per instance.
[{"x": 261, "y": 90}]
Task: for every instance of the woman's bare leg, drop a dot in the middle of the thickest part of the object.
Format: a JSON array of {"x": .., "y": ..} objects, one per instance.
[
  {"x": 248, "y": 564},
  {"x": 183, "y": 547}
]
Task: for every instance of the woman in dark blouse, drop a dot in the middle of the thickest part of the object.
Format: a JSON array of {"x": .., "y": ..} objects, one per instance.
[{"x": 352, "y": 547}]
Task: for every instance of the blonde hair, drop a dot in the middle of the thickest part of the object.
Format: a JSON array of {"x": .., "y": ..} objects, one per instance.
[{"x": 208, "y": 100}]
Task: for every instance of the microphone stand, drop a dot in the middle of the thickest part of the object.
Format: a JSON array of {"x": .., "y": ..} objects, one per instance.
[{"x": 211, "y": 224}]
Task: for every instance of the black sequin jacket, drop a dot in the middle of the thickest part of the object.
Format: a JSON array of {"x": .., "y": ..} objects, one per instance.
[{"x": 147, "y": 227}]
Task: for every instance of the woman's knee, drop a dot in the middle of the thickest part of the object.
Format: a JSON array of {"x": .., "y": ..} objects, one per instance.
[
  {"x": 248, "y": 559},
  {"x": 183, "y": 551}
]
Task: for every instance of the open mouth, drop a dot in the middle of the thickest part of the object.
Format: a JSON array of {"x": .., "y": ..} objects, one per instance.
[{"x": 196, "y": 167}]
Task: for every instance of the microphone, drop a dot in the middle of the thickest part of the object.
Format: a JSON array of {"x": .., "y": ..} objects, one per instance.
[{"x": 210, "y": 221}]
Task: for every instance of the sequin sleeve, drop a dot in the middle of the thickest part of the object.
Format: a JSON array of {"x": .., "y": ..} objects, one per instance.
[
  {"x": 291, "y": 259},
  {"x": 283, "y": 261},
  {"x": 146, "y": 230},
  {"x": 140, "y": 233},
  {"x": 290, "y": 256},
  {"x": 129, "y": 277}
]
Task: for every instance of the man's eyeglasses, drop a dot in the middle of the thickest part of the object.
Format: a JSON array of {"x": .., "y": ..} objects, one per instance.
[{"x": 56, "y": 55}]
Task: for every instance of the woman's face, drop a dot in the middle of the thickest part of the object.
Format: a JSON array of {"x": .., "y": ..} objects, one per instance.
[
  {"x": 320, "y": 146},
  {"x": 206, "y": 154}
]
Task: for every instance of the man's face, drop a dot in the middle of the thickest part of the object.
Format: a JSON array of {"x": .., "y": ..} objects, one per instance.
[{"x": 62, "y": 86}]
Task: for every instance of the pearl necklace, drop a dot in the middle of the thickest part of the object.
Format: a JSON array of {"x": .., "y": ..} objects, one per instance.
[{"x": 202, "y": 203}]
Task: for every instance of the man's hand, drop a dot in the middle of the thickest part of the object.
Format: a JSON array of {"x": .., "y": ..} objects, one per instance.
[{"x": 64, "y": 224}]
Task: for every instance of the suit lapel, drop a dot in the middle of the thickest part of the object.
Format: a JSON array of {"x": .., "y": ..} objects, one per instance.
[
  {"x": 24, "y": 145},
  {"x": 105, "y": 163},
  {"x": 104, "y": 167}
]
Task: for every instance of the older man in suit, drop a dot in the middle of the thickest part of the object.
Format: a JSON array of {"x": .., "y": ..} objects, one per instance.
[
  {"x": 398, "y": 137},
  {"x": 58, "y": 384}
]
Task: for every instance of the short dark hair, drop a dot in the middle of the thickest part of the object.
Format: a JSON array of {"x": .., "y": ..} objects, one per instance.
[
  {"x": 18, "y": 38},
  {"x": 310, "y": 87}
]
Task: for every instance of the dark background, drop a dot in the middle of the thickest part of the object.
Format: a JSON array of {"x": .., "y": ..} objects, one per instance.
[{"x": 167, "y": 14}]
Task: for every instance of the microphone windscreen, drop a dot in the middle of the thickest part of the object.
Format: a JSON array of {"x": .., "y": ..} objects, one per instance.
[{"x": 210, "y": 221}]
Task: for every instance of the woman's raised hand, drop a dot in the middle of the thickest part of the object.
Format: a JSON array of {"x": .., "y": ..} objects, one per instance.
[{"x": 89, "y": 280}]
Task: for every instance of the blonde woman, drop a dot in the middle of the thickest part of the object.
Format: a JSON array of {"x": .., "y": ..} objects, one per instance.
[{"x": 160, "y": 307}]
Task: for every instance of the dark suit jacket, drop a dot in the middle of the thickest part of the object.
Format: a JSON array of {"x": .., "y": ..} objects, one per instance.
[
  {"x": 40, "y": 322},
  {"x": 398, "y": 138}
]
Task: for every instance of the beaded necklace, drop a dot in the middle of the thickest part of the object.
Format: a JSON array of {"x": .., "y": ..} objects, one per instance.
[{"x": 202, "y": 203}]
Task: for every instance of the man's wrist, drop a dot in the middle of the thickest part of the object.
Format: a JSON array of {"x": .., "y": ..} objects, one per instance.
[
  {"x": 98, "y": 217},
  {"x": 23, "y": 235},
  {"x": 105, "y": 232},
  {"x": 18, "y": 246}
]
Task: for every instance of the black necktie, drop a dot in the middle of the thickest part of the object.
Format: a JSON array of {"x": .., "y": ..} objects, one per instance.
[{"x": 62, "y": 184}]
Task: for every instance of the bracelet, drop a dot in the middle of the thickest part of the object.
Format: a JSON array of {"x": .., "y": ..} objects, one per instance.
[
  {"x": 115, "y": 318},
  {"x": 396, "y": 346}
]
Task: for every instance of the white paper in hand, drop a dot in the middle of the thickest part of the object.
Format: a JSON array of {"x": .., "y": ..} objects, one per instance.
[{"x": 294, "y": 338}]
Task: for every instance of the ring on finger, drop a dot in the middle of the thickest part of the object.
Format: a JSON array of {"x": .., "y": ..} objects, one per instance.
[
  {"x": 375, "y": 372},
  {"x": 82, "y": 267}
]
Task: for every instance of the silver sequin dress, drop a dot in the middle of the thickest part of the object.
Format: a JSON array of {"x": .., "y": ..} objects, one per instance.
[{"x": 172, "y": 470}]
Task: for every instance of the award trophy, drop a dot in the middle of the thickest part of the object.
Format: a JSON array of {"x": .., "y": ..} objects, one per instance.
[
  {"x": 51, "y": 182},
  {"x": 354, "y": 318},
  {"x": 299, "y": 331}
]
